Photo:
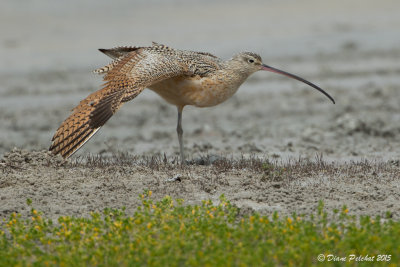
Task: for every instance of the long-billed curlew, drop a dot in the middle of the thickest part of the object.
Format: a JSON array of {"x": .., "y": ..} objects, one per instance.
[{"x": 180, "y": 77}]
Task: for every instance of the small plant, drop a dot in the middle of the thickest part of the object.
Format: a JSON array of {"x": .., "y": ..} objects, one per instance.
[
  {"x": 272, "y": 172},
  {"x": 169, "y": 233}
]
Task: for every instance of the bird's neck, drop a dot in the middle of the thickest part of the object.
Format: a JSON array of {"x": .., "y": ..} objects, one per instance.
[{"x": 234, "y": 73}]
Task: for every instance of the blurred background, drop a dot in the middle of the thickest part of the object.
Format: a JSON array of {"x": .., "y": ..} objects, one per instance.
[{"x": 350, "y": 48}]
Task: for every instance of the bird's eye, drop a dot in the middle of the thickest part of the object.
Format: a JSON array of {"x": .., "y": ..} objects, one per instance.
[{"x": 251, "y": 60}]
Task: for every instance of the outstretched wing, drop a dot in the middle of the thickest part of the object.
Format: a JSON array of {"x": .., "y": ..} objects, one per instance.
[{"x": 128, "y": 77}]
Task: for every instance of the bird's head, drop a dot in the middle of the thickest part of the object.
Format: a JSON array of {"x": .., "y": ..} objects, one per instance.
[{"x": 249, "y": 63}]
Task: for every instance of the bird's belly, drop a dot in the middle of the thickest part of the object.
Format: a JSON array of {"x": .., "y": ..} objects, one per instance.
[{"x": 196, "y": 91}]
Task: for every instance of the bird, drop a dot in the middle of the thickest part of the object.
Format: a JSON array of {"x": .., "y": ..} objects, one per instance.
[{"x": 180, "y": 77}]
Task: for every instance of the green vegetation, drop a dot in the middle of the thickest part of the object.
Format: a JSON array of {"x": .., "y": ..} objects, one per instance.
[{"x": 168, "y": 233}]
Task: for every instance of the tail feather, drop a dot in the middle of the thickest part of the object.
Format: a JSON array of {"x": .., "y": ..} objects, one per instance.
[{"x": 119, "y": 51}]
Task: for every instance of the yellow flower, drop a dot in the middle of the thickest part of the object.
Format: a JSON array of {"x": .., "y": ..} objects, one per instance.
[
  {"x": 34, "y": 212},
  {"x": 346, "y": 211},
  {"x": 150, "y": 192},
  {"x": 251, "y": 219},
  {"x": 289, "y": 220},
  {"x": 149, "y": 225},
  {"x": 118, "y": 224}
]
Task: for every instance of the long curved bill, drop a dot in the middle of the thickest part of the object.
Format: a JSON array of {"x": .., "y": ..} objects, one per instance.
[{"x": 271, "y": 69}]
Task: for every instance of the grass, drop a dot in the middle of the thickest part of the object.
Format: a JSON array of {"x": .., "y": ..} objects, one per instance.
[
  {"x": 293, "y": 166},
  {"x": 271, "y": 169},
  {"x": 169, "y": 233}
]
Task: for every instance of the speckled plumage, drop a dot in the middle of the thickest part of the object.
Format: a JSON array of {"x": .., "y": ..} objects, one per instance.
[{"x": 180, "y": 77}]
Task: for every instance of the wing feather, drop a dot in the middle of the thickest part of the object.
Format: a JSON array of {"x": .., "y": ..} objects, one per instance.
[
  {"x": 92, "y": 112},
  {"x": 135, "y": 70}
]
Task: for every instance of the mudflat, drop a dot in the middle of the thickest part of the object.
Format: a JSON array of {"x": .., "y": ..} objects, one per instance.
[{"x": 277, "y": 145}]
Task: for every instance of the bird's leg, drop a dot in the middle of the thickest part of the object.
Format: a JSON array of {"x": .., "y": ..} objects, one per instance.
[{"x": 180, "y": 133}]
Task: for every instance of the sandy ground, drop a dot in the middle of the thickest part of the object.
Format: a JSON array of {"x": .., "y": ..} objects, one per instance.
[
  {"x": 49, "y": 51},
  {"x": 75, "y": 188}
]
